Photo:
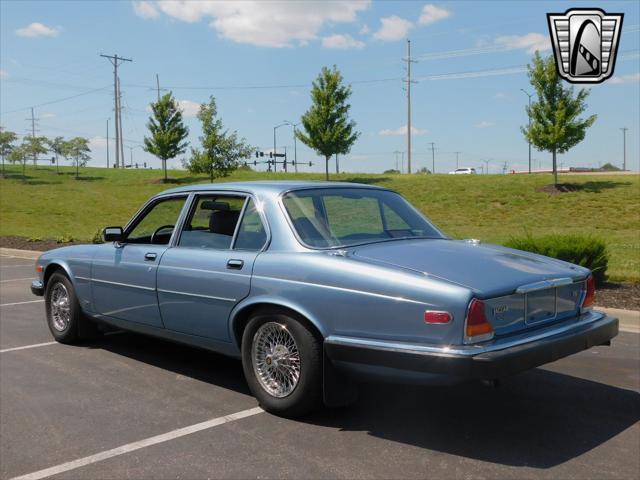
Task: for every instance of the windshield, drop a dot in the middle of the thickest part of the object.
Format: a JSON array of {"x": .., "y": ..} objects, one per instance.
[{"x": 339, "y": 217}]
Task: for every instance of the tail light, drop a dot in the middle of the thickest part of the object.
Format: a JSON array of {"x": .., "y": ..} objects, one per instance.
[
  {"x": 477, "y": 327},
  {"x": 590, "y": 294}
]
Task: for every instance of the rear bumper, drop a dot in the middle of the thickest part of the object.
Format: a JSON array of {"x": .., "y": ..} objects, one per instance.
[
  {"x": 497, "y": 360},
  {"x": 37, "y": 288}
]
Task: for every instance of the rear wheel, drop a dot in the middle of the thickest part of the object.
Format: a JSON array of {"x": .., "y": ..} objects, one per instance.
[
  {"x": 282, "y": 362},
  {"x": 64, "y": 316}
]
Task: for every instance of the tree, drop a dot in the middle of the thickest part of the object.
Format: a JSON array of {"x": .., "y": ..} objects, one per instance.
[
  {"x": 78, "y": 150},
  {"x": 19, "y": 154},
  {"x": 7, "y": 140},
  {"x": 35, "y": 146},
  {"x": 168, "y": 132},
  {"x": 327, "y": 128},
  {"x": 56, "y": 146},
  {"x": 555, "y": 123},
  {"x": 222, "y": 151}
]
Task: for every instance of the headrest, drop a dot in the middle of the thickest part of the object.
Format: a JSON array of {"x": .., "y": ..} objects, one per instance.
[
  {"x": 211, "y": 205},
  {"x": 223, "y": 221}
]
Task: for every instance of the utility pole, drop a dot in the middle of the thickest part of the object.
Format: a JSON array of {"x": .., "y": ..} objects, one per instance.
[
  {"x": 409, "y": 82},
  {"x": 120, "y": 123},
  {"x": 337, "y": 164},
  {"x": 295, "y": 149},
  {"x": 529, "y": 115},
  {"x": 158, "y": 85},
  {"x": 487, "y": 162},
  {"x": 433, "y": 157},
  {"x": 107, "y": 144},
  {"x": 624, "y": 148},
  {"x": 457, "y": 158},
  {"x": 116, "y": 61},
  {"x": 33, "y": 120},
  {"x": 396, "y": 153}
]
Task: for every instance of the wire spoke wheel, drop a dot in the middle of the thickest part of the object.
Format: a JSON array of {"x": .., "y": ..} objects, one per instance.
[
  {"x": 60, "y": 307},
  {"x": 276, "y": 359}
]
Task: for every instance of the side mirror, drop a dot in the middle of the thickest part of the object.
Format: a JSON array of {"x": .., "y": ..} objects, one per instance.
[{"x": 112, "y": 234}]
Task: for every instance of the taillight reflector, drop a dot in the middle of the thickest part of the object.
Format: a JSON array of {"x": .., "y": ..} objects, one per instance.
[
  {"x": 477, "y": 327},
  {"x": 590, "y": 295},
  {"x": 431, "y": 316}
]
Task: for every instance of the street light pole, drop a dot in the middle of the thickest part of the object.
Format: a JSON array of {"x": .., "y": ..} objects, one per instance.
[
  {"x": 275, "y": 159},
  {"x": 529, "y": 115},
  {"x": 624, "y": 148},
  {"x": 295, "y": 143}
]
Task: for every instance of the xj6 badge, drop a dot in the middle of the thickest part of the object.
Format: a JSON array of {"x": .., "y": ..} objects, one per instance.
[{"x": 585, "y": 43}]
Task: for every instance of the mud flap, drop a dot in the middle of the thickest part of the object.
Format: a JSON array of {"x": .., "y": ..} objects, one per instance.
[{"x": 338, "y": 390}]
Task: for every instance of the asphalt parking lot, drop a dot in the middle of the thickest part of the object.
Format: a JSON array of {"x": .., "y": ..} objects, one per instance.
[{"x": 127, "y": 406}]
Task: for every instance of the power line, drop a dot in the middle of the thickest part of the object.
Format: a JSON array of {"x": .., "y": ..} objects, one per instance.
[{"x": 55, "y": 101}]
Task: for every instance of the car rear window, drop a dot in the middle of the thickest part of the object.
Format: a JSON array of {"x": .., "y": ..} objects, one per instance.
[{"x": 337, "y": 217}]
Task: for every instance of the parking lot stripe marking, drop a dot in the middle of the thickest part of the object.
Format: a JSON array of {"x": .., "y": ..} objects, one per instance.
[
  {"x": 25, "y": 347},
  {"x": 19, "y": 303},
  {"x": 130, "y": 447},
  {"x": 16, "y": 279},
  {"x": 14, "y": 266}
]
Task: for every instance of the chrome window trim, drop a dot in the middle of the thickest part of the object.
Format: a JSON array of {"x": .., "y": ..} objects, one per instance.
[
  {"x": 468, "y": 350},
  {"x": 151, "y": 289}
]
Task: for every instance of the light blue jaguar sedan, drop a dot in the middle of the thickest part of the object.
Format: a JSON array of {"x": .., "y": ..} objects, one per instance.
[{"x": 315, "y": 285}]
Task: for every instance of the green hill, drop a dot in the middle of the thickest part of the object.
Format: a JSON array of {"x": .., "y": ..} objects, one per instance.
[{"x": 489, "y": 207}]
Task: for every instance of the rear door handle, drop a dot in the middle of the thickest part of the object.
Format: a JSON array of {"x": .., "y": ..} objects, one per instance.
[
  {"x": 151, "y": 256},
  {"x": 235, "y": 264}
]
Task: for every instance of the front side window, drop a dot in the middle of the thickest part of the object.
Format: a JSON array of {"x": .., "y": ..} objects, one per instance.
[
  {"x": 212, "y": 222},
  {"x": 338, "y": 217},
  {"x": 157, "y": 224}
]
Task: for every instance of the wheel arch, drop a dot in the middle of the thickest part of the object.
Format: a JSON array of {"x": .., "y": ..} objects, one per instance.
[
  {"x": 241, "y": 314},
  {"x": 57, "y": 266}
]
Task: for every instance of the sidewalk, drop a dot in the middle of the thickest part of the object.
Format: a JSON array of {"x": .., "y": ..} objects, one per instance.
[{"x": 629, "y": 319}]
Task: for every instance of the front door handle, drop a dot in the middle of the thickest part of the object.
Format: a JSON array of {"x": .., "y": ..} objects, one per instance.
[
  {"x": 151, "y": 256},
  {"x": 235, "y": 264}
]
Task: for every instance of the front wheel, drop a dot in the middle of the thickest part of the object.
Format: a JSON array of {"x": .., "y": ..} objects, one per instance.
[
  {"x": 64, "y": 316},
  {"x": 282, "y": 362}
]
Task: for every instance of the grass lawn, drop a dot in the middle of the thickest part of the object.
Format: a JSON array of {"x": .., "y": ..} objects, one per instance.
[{"x": 489, "y": 207}]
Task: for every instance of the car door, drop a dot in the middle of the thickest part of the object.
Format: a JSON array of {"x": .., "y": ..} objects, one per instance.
[
  {"x": 123, "y": 274},
  {"x": 208, "y": 272}
]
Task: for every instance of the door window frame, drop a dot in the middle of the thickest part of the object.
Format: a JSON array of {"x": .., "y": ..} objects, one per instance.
[
  {"x": 147, "y": 207},
  {"x": 192, "y": 203}
]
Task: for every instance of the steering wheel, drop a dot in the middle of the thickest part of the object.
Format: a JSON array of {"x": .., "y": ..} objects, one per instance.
[{"x": 158, "y": 230}]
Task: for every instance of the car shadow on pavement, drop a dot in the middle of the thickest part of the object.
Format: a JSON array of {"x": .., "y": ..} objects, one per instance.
[{"x": 538, "y": 419}]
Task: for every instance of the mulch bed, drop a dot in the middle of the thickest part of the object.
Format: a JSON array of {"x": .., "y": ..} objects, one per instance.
[
  {"x": 560, "y": 188},
  {"x": 608, "y": 295}
]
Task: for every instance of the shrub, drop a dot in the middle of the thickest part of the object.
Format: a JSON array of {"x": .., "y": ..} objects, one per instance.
[
  {"x": 97, "y": 237},
  {"x": 582, "y": 250}
]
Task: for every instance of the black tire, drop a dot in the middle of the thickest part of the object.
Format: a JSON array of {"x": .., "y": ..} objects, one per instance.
[
  {"x": 307, "y": 394},
  {"x": 78, "y": 326}
]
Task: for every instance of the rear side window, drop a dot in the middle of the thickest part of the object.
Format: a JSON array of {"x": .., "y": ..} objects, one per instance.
[
  {"x": 251, "y": 233},
  {"x": 212, "y": 222}
]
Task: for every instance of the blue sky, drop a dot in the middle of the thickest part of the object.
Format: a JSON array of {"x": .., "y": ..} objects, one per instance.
[{"x": 259, "y": 58}]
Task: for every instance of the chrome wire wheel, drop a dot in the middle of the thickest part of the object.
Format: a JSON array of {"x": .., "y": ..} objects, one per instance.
[
  {"x": 60, "y": 307},
  {"x": 276, "y": 359}
]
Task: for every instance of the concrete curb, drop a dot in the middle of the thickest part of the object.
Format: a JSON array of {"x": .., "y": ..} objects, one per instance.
[{"x": 629, "y": 319}]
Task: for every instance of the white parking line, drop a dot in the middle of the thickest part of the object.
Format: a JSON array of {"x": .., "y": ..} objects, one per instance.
[
  {"x": 19, "y": 303},
  {"x": 24, "y": 347},
  {"x": 16, "y": 279},
  {"x": 14, "y": 266},
  {"x": 130, "y": 447}
]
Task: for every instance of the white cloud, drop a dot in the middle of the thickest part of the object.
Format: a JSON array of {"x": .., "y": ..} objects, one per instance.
[
  {"x": 393, "y": 28},
  {"x": 3, "y": 74},
  {"x": 48, "y": 115},
  {"x": 37, "y": 29},
  {"x": 265, "y": 24},
  {"x": 145, "y": 9},
  {"x": 484, "y": 124},
  {"x": 632, "y": 77},
  {"x": 500, "y": 95},
  {"x": 432, "y": 14},
  {"x": 341, "y": 41},
  {"x": 531, "y": 42},
  {"x": 389, "y": 132},
  {"x": 189, "y": 109},
  {"x": 364, "y": 30},
  {"x": 97, "y": 142}
]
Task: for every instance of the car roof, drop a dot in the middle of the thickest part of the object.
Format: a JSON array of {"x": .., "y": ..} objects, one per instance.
[{"x": 265, "y": 186}]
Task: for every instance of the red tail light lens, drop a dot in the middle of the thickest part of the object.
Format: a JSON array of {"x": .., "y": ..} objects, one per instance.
[
  {"x": 435, "y": 317},
  {"x": 590, "y": 295},
  {"x": 477, "y": 327}
]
